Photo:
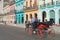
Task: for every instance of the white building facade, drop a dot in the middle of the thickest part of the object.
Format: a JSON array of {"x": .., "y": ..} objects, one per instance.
[
  {"x": 12, "y": 14},
  {"x": 1, "y": 10},
  {"x": 9, "y": 14},
  {"x": 49, "y": 10},
  {"x": 6, "y": 14}
]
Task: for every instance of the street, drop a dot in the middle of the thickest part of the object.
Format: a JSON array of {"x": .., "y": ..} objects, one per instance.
[{"x": 16, "y": 33}]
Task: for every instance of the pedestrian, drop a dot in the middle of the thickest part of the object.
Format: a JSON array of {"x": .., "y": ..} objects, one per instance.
[
  {"x": 27, "y": 25},
  {"x": 51, "y": 22},
  {"x": 38, "y": 21},
  {"x": 15, "y": 21}
]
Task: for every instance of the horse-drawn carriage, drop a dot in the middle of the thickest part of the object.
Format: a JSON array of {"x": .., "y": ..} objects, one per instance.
[{"x": 40, "y": 28}]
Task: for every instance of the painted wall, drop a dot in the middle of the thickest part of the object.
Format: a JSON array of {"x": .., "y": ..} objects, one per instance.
[
  {"x": 47, "y": 9},
  {"x": 1, "y": 6},
  {"x": 12, "y": 14},
  {"x": 19, "y": 17},
  {"x": 6, "y": 12},
  {"x": 19, "y": 11}
]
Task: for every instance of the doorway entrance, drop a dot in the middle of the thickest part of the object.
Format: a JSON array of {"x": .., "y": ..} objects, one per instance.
[
  {"x": 43, "y": 16},
  {"x": 26, "y": 17},
  {"x": 35, "y": 15},
  {"x": 52, "y": 16}
]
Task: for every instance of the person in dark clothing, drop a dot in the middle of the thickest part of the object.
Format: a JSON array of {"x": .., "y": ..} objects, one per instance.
[
  {"x": 51, "y": 22},
  {"x": 15, "y": 22},
  {"x": 35, "y": 23},
  {"x": 27, "y": 23}
]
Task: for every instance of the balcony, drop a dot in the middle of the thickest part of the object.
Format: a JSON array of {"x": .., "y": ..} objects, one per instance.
[
  {"x": 31, "y": 8},
  {"x": 57, "y": 3},
  {"x": 49, "y": 5},
  {"x": 43, "y": 6}
]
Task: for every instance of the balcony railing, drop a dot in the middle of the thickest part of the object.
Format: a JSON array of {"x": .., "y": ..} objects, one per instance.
[
  {"x": 49, "y": 5},
  {"x": 31, "y": 8},
  {"x": 43, "y": 6},
  {"x": 57, "y": 3}
]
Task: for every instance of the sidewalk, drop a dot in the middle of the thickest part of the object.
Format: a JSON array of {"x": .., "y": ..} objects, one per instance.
[
  {"x": 57, "y": 29},
  {"x": 17, "y": 25},
  {"x": 1, "y": 23}
]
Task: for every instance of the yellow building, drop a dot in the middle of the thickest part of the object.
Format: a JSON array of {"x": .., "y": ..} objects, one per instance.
[{"x": 30, "y": 9}]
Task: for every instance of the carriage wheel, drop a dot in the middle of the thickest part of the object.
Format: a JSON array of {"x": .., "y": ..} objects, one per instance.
[
  {"x": 51, "y": 33},
  {"x": 40, "y": 33}
]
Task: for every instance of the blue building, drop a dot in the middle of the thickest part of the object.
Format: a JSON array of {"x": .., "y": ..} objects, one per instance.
[
  {"x": 49, "y": 10},
  {"x": 19, "y": 11}
]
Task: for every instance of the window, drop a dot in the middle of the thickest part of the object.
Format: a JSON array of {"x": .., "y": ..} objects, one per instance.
[
  {"x": 52, "y": 15},
  {"x": 26, "y": 4},
  {"x": 35, "y": 3},
  {"x": 35, "y": 15},
  {"x": 51, "y": 2},
  {"x": 43, "y": 2},
  {"x": 30, "y": 3}
]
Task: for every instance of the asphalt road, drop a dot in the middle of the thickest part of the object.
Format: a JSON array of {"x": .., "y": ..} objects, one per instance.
[{"x": 15, "y": 33}]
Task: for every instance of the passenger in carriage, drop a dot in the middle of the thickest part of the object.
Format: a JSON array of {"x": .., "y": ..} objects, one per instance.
[{"x": 34, "y": 22}]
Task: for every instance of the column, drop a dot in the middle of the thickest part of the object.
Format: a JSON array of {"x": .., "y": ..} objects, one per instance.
[
  {"x": 47, "y": 15},
  {"x": 20, "y": 18},
  {"x": 56, "y": 17},
  {"x": 40, "y": 15}
]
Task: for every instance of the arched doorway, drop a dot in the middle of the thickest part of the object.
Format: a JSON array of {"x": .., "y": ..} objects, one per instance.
[
  {"x": 22, "y": 19},
  {"x": 43, "y": 16},
  {"x": 30, "y": 16},
  {"x": 26, "y": 17},
  {"x": 35, "y": 15},
  {"x": 59, "y": 16},
  {"x": 19, "y": 19},
  {"x": 52, "y": 15}
]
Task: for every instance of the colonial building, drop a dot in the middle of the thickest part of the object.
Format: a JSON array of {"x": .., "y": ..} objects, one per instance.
[
  {"x": 30, "y": 9},
  {"x": 12, "y": 13},
  {"x": 49, "y": 10},
  {"x": 9, "y": 12},
  {"x": 6, "y": 14},
  {"x": 19, "y": 11},
  {"x": 1, "y": 10}
]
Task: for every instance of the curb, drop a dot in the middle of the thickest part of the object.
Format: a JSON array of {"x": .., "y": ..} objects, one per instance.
[{"x": 15, "y": 25}]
